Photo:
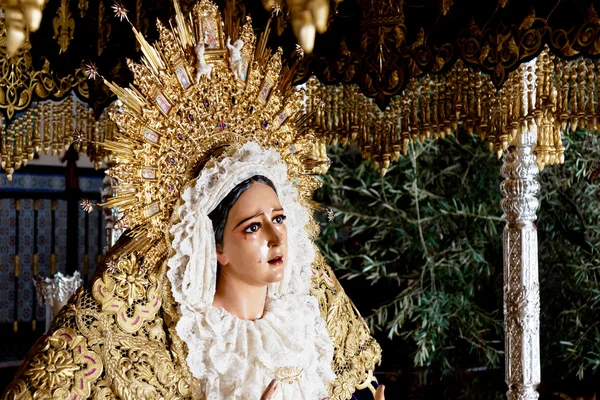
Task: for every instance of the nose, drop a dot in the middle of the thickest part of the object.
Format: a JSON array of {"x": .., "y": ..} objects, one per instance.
[{"x": 275, "y": 237}]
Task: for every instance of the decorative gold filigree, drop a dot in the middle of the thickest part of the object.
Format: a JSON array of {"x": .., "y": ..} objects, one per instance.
[
  {"x": 356, "y": 353},
  {"x": 289, "y": 375},
  {"x": 128, "y": 282},
  {"x": 63, "y": 366},
  {"x": 64, "y": 26},
  {"x": 19, "y": 81},
  {"x": 48, "y": 127},
  {"x": 139, "y": 365},
  {"x": 386, "y": 60}
]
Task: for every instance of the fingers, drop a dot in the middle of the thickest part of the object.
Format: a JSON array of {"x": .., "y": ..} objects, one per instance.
[
  {"x": 379, "y": 395},
  {"x": 270, "y": 391}
]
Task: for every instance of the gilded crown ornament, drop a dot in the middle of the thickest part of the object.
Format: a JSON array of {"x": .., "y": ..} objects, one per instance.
[{"x": 205, "y": 86}]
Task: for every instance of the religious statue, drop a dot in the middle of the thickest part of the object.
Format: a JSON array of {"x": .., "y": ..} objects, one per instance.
[
  {"x": 216, "y": 290},
  {"x": 235, "y": 58},
  {"x": 202, "y": 67}
]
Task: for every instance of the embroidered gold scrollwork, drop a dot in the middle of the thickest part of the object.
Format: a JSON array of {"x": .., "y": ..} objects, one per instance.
[
  {"x": 63, "y": 367},
  {"x": 19, "y": 80},
  {"x": 129, "y": 292},
  {"x": 356, "y": 353}
]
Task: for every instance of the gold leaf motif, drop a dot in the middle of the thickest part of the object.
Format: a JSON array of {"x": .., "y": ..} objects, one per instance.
[
  {"x": 357, "y": 352},
  {"x": 528, "y": 21},
  {"x": 64, "y": 26},
  {"x": 420, "y": 39},
  {"x": 63, "y": 366},
  {"x": 485, "y": 50},
  {"x": 512, "y": 47},
  {"x": 474, "y": 29}
]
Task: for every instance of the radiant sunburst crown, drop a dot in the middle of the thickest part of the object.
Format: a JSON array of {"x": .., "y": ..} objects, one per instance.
[{"x": 204, "y": 88}]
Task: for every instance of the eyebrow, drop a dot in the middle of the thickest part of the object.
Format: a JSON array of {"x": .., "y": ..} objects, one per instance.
[{"x": 254, "y": 216}]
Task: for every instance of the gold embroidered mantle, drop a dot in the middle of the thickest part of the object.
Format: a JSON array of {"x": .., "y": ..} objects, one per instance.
[{"x": 117, "y": 340}]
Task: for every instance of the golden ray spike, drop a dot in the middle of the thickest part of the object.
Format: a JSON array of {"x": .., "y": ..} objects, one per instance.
[
  {"x": 120, "y": 149},
  {"x": 261, "y": 54},
  {"x": 232, "y": 25},
  {"x": 120, "y": 201},
  {"x": 131, "y": 101},
  {"x": 285, "y": 82},
  {"x": 136, "y": 244},
  {"x": 155, "y": 61},
  {"x": 182, "y": 29},
  {"x": 192, "y": 27},
  {"x": 127, "y": 188}
]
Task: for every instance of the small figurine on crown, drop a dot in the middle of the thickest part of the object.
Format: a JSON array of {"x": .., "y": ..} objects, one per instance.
[{"x": 216, "y": 290}]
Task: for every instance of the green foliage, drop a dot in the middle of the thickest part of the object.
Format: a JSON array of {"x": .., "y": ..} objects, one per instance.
[
  {"x": 428, "y": 240},
  {"x": 569, "y": 228}
]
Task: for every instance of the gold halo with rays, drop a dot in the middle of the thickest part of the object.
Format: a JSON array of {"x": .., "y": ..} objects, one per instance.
[{"x": 195, "y": 90}]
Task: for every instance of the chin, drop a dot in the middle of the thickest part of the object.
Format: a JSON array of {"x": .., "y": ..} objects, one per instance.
[{"x": 276, "y": 274}]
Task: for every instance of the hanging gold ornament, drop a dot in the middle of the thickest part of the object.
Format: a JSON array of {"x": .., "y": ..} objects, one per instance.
[
  {"x": 434, "y": 106},
  {"x": 20, "y": 15}
]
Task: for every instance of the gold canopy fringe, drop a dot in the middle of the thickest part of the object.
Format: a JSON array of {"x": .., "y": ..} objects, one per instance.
[
  {"x": 563, "y": 98},
  {"x": 48, "y": 127}
]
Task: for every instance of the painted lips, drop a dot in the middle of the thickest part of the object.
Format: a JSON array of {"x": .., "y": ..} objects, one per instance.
[{"x": 277, "y": 260}]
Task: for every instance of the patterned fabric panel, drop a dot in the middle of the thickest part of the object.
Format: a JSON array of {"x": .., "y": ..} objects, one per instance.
[
  {"x": 7, "y": 252},
  {"x": 47, "y": 183},
  {"x": 30, "y": 182},
  {"x": 28, "y": 307},
  {"x": 60, "y": 235},
  {"x": 25, "y": 292},
  {"x": 44, "y": 245},
  {"x": 93, "y": 248}
]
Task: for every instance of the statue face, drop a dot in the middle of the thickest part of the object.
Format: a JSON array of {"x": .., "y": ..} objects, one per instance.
[{"x": 254, "y": 246}]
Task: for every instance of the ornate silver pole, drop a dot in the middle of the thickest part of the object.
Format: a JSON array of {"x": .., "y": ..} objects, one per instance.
[{"x": 521, "y": 286}]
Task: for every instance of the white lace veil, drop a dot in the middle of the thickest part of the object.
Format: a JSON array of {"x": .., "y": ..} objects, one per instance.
[
  {"x": 227, "y": 354},
  {"x": 193, "y": 267}
]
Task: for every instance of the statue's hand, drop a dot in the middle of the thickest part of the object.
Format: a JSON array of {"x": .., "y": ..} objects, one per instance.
[
  {"x": 270, "y": 391},
  {"x": 379, "y": 395}
]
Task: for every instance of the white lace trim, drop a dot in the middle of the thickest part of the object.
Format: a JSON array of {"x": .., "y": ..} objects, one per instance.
[
  {"x": 236, "y": 359},
  {"x": 232, "y": 357}
]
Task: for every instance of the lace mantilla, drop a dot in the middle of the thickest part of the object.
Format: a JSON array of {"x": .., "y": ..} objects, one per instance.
[{"x": 235, "y": 358}]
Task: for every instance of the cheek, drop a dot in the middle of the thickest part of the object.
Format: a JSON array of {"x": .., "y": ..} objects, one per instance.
[{"x": 246, "y": 250}]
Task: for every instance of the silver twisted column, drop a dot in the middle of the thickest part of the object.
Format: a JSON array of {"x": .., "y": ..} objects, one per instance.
[{"x": 521, "y": 286}]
